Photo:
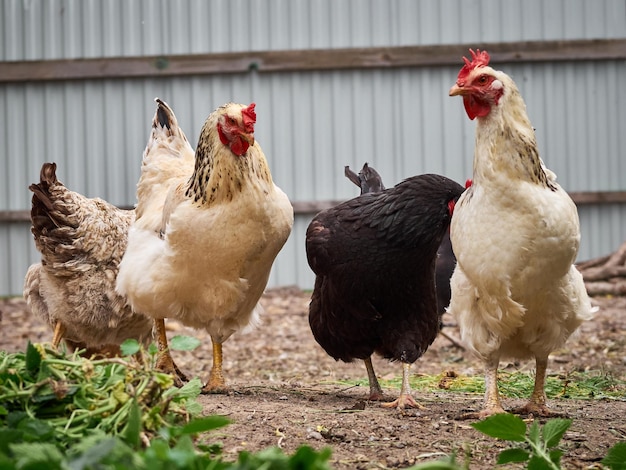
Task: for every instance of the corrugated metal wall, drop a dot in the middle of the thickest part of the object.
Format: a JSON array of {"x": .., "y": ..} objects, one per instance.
[{"x": 310, "y": 124}]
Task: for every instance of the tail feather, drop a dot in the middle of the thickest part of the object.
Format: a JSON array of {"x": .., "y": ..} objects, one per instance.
[
  {"x": 165, "y": 117},
  {"x": 168, "y": 161},
  {"x": 68, "y": 227},
  {"x": 45, "y": 216},
  {"x": 368, "y": 179}
]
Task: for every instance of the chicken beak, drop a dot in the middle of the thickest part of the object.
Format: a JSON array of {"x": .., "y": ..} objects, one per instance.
[
  {"x": 457, "y": 90},
  {"x": 249, "y": 138}
]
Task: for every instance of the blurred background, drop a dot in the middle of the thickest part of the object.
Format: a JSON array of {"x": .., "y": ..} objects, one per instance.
[{"x": 336, "y": 82}]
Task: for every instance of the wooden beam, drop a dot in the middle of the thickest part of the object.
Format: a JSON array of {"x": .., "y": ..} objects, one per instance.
[
  {"x": 313, "y": 207},
  {"x": 307, "y": 60},
  {"x": 598, "y": 197}
]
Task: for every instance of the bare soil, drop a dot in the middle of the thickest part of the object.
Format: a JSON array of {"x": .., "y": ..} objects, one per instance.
[{"x": 286, "y": 392}]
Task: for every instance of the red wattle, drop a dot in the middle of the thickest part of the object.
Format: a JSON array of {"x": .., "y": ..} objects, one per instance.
[
  {"x": 239, "y": 146},
  {"x": 475, "y": 108}
]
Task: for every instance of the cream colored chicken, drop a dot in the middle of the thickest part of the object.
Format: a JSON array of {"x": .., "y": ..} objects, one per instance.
[
  {"x": 515, "y": 233},
  {"x": 81, "y": 241},
  {"x": 208, "y": 229}
]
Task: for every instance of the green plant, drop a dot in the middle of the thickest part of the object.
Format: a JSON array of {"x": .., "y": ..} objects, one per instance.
[
  {"x": 540, "y": 449},
  {"x": 70, "y": 413},
  {"x": 616, "y": 457}
]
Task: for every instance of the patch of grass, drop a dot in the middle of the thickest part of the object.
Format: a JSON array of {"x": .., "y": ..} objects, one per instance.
[{"x": 576, "y": 385}]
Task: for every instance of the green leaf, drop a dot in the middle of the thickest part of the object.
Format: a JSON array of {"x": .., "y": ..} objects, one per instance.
[
  {"x": 153, "y": 349},
  {"x": 130, "y": 347},
  {"x": 534, "y": 433},
  {"x": 26, "y": 454},
  {"x": 33, "y": 359},
  {"x": 190, "y": 390},
  {"x": 193, "y": 408},
  {"x": 513, "y": 455},
  {"x": 503, "y": 426},
  {"x": 209, "y": 423},
  {"x": 538, "y": 463},
  {"x": 184, "y": 343},
  {"x": 94, "y": 455},
  {"x": 9, "y": 436},
  {"x": 35, "y": 430},
  {"x": 553, "y": 431},
  {"x": 133, "y": 426},
  {"x": 616, "y": 457},
  {"x": 555, "y": 456},
  {"x": 306, "y": 457}
]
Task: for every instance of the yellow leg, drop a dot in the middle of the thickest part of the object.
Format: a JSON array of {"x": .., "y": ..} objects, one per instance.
[
  {"x": 405, "y": 400},
  {"x": 216, "y": 383},
  {"x": 492, "y": 404},
  {"x": 165, "y": 362},
  {"x": 537, "y": 403},
  {"x": 376, "y": 393},
  {"x": 59, "y": 331}
]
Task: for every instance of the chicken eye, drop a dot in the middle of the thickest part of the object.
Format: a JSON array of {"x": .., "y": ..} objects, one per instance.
[{"x": 483, "y": 79}]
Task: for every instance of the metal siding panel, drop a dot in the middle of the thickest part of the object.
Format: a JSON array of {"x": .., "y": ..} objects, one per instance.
[
  {"x": 37, "y": 29},
  {"x": 310, "y": 124}
]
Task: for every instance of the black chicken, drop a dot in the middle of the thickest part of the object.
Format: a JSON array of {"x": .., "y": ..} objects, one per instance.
[
  {"x": 370, "y": 181},
  {"x": 374, "y": 259}
]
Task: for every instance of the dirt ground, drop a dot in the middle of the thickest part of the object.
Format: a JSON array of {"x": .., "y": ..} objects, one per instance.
[{"x": 287, "y": 392}]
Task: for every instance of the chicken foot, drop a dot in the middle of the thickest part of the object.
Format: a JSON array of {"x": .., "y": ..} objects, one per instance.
[
  {"x": 491, "y": 404},
  {"x": 165, "y": 362},
  {"x": 405, "y": 400},
  {"x": 216, "y": 383},
  {"x": 537, "y": 402},
  {"x": 376, "y": 393}
]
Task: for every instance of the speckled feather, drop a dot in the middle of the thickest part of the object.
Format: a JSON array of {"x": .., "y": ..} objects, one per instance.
[
  {"x": 210, "y": 226},
  {"x": 81, "y": 241}
]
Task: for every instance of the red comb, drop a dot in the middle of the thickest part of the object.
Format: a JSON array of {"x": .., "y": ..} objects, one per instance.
[
  {"x": 478, "y": 59},
  {"x": 468, "y": 183},
  {"x": 249, "y": 118}
]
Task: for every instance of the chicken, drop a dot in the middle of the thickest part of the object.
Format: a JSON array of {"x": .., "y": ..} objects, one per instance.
[
  {"x": 209, "y": 226},
  {"x": 369, "y": 180},
  {"x": 515, "y": 234},
  {"x": 72, "y": 289},
  {"x": 374, "y": 259}
]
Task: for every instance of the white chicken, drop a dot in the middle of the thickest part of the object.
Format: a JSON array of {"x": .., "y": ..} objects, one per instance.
[
  {"x": 208, "y": 228},
  {"x": 81, "y": 241},
  {"x": 515, "y": 233}
]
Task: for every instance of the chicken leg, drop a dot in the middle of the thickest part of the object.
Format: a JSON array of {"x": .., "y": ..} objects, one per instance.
[
  {"x": 376, "y": 393},
  {"x": 165, "y": 362},
  {"x": 492, "y": 404},
  {"x": 537, "y": 403},
  {"x": 216, "y": 383},
  {"x": 59, "y": 331},
  {"x": 405, "y": 400}
]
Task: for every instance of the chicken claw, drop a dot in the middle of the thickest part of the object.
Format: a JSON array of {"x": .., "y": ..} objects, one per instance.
[
  {"x": 536, "y": 406},
  {"x": 405, "y": 400}
]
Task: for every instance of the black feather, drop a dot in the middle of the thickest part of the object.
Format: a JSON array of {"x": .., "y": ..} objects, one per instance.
[{"x": 374, "y": 259}]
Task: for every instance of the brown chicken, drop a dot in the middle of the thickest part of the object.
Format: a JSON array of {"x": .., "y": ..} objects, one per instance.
[{"x": 81, "y": 241}]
